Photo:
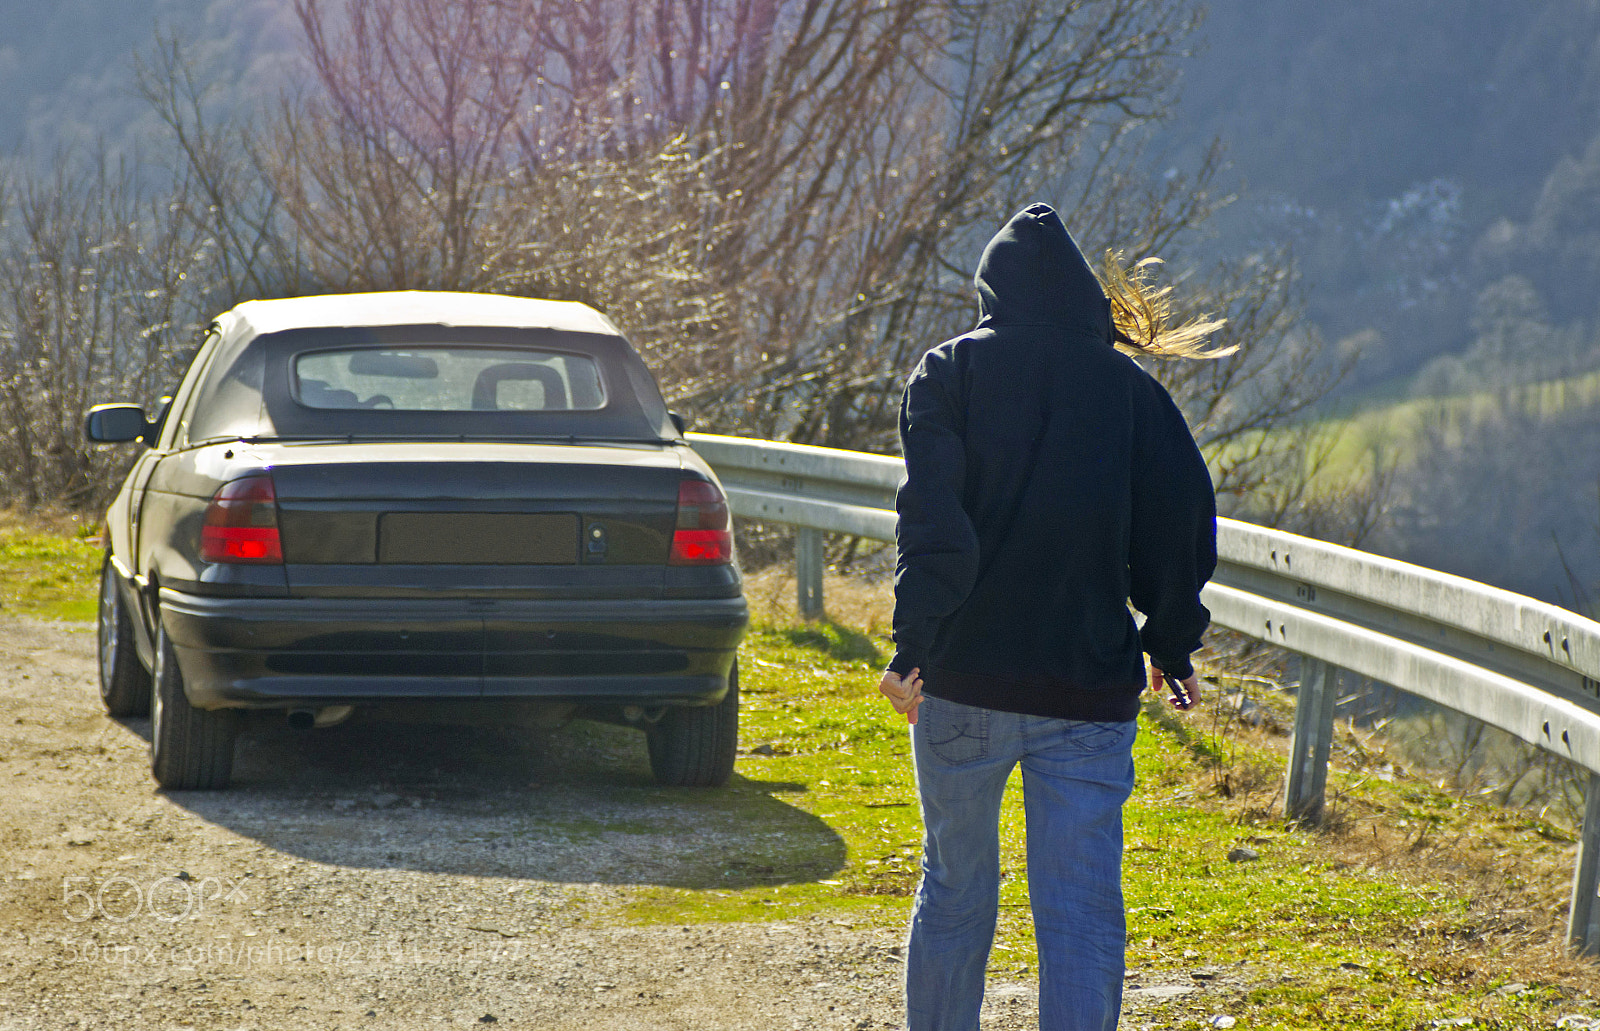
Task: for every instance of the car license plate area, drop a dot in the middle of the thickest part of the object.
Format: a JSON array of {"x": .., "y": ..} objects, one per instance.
[{"x": 478, "y": 538}]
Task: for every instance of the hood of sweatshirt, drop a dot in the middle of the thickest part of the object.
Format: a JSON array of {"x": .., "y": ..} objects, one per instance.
[{"x": 1032, "y": 273}]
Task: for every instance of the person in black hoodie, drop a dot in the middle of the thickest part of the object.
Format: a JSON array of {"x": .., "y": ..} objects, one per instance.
[{"x": 1049, "y": 481}]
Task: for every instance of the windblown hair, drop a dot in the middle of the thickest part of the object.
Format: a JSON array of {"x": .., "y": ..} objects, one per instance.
[{"x": 1141, "y": 313}]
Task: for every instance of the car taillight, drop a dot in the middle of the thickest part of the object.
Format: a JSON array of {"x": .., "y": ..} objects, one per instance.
[
  {"x": 704, "y": 536},
  {"x": 241, "y": 523}
]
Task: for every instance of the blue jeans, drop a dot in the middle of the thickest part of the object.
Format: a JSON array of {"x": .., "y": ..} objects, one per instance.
[{"x": 1075, "y": 778}]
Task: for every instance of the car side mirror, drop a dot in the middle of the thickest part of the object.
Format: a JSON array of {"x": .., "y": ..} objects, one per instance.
[
  {"x": 679, "y": 421},
  {"x": 115, "y": 424}
]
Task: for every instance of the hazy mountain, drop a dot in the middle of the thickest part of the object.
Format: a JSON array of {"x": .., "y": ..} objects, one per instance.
[
  {"x": 1415, "y": 155},
  {"x": 67, "y": 66}
]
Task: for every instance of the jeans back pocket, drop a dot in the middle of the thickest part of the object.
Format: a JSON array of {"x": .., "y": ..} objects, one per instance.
[
  {"x": 1087, "y": 738},
  {"x": 955, "y": 733}
]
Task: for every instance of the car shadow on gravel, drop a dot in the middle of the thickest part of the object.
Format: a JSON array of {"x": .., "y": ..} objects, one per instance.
[{"x": 572, "y": 805}]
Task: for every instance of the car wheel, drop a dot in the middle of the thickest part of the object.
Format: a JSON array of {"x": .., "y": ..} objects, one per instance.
[
  {"x": 695, "y": 747},
  {"x": 124, "y": 683},
  {"x": 189, "y": 748}
]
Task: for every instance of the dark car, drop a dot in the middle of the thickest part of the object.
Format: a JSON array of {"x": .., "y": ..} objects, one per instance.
[{"x": 385, "y": 498}]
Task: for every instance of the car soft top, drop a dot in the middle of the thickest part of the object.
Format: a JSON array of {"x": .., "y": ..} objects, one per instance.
[
  {"x": 414, "y": 308},
  {"x": 246, "y": 390}
]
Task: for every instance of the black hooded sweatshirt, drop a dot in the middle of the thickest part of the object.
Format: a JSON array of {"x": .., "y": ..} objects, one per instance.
[{"x": 1049, "y": 480}]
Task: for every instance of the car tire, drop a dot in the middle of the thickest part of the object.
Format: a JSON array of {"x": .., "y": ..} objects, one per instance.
[
  {"x": 694, "y": 747},
  {"x": 189, "y": 748},
  {"x": 124, "y": 682}
]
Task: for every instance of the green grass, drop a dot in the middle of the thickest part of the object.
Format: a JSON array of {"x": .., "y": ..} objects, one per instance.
[
  {"x": 1396, "y": 916},
  {"x": 1326, "y": 941},
  {"x": 48, "y": 570}
]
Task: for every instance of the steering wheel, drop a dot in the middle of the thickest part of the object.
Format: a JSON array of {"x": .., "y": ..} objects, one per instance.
[{"x": 378, "y": 401}]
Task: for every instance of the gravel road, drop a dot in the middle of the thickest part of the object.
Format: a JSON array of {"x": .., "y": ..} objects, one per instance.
[{"x": 385, "y": 874}]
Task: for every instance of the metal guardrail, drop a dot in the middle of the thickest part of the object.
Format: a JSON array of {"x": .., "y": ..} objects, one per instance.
[{"x": 1528, "y": 668}]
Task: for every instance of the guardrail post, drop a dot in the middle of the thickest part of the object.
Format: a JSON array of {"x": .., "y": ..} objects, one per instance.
[
  {"x": 1583, "y": 919},
  {"x": 1307, "y": 782},
  {"x": 808, "y": 570}
]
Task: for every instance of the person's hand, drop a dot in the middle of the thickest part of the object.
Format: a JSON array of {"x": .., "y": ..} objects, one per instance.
[
  {"x": 905, "y": 694},
  {"x": 1191, "y": 684}
]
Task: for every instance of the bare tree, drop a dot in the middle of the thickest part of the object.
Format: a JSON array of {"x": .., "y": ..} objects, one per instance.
[
  {"x": 422, "y": 161},
  {"x": 859, "y": 230},
  {"x": 93, "y": 301},
  {"x": 775, "y": 197}
]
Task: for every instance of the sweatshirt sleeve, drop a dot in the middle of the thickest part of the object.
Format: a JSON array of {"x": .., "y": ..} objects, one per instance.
[
  {"x": 1173, "y": 543},
  {"x": 936, "y": 545}
]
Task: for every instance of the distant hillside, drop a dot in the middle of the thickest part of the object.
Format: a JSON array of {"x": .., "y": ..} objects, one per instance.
[
  {"x": 1415, "y": 155},
  {"x": 66, "y": 66},
  {"x": 1498, "y": 485}
]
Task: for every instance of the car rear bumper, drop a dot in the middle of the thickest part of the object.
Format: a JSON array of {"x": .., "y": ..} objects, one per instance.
[{"x": 279, "y": 652}]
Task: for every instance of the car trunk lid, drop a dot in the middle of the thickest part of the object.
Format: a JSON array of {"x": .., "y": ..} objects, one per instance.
[{"x": 497, "y": 519}]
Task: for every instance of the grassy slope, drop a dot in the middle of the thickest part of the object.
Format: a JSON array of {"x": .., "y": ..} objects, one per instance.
[
  {"x": 1393, "y": 429},
  {"x": 1415, "y": 906},
  {"x": 1376, "y": 924}
]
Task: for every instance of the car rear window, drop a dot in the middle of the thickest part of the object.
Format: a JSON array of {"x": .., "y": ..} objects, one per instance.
[{"x": 447, "y": 378}]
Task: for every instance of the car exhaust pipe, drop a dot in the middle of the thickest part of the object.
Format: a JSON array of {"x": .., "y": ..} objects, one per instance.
[
  {"x": 639, "y": 716},
  {"x": 324, "y": 716}
]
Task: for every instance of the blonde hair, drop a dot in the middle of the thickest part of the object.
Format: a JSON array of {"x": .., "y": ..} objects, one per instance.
[{"x": 1141, "y": 311}]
